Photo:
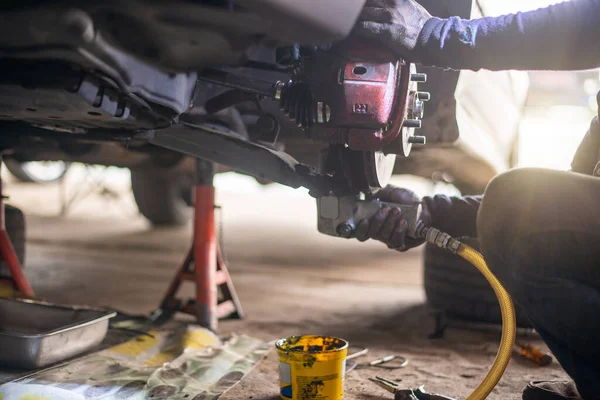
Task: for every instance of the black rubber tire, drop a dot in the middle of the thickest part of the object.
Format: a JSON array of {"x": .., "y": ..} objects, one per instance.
[
  {"x": 16, "y": 168},
  {"x": 159, "y": 194},
  {"x": 15, "y": 226},
  {"x": 457, "y": 288}
]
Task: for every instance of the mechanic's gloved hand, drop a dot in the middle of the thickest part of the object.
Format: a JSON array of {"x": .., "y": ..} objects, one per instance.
[
  {"x": 388, "y": 225},
  {"x": 395, "y": 23}
]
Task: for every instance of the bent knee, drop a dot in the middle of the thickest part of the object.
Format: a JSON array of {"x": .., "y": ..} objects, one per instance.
[
  {"x": 509, "y": 214},
  {"x": 511, "y": 203},
  {"x": 501, "y": 205}
]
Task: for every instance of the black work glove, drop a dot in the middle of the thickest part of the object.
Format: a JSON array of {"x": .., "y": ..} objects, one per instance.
[
  {"x": 388, "y": 224},
  {"x": 395, "y": 23},
  {"x": 587, "y": 155}
]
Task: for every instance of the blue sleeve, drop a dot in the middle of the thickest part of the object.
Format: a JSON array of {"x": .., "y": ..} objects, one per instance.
[
  {"x": 564, "y": 36},
  {"x": 457, "y": 216}
]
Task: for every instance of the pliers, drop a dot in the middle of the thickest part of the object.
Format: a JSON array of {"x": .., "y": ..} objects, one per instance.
[{"x": 406, "y": 394}]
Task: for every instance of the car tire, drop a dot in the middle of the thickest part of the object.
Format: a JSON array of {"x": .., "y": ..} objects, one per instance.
[
  {"x": 457, "y": 288},
  {"x": 23, "y": 171},
  {"x": 15, "y": 226},
  {"x": 162, "y": 196}
]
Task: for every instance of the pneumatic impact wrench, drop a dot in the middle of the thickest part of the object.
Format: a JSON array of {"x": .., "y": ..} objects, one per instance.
[{"x": 339, "y": 216}]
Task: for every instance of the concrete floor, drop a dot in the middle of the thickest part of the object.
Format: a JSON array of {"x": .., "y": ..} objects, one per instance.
[{"x": 291, "y": 280}]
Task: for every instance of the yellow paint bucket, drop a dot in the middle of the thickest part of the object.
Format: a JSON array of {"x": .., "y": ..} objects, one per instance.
[{"x": 312, "y": 367}]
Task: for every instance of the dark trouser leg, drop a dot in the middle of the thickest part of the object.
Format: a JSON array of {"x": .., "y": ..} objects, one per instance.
[{"x": 540, "y": 234}]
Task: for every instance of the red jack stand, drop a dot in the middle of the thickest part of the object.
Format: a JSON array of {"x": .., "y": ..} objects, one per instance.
[
  {"x": 204, "y": 265},
  {"x": 8, "y": 255}
]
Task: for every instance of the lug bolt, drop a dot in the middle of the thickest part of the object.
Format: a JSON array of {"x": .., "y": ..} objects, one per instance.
[
  {"x": 417, "y": 139},
  {"x": 412, "y": 123},
  {"x": 345, "y": 230},
  {"x": 418, "y": 109},
  {"x": 418, "y": 78},
  {"x": 424, "y": 96}
]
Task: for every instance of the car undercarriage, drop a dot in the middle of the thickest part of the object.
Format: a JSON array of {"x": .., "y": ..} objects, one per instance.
[{"x": 274, "y": 89}]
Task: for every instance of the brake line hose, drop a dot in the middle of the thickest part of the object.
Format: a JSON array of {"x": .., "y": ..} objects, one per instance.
[{"x": 509, "y": 326}]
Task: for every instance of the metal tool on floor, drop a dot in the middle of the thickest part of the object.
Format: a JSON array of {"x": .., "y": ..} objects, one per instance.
[
  {"x": 360, "y": 351},
  {"x": 406, "y": 394},
  {"x": 534, "y": 354},
  {"x": 9, "y": 256},
  {"x": 391, "y": 362},
  {"x": 204, "y": 264},
  {"x": 388, "y": 362}
]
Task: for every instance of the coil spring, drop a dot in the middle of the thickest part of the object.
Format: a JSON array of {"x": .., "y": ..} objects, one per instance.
[{"x": 296, "y": 101}]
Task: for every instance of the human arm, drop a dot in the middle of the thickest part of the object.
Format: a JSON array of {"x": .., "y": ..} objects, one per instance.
[
  {"x": 564, "y": 36},
  {"x": 455, "y": 216}
]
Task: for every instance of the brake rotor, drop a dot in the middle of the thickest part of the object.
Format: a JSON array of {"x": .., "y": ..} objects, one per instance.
[
  {"x": 366, "y": 171},
  {"x": 378, "y": 168}
]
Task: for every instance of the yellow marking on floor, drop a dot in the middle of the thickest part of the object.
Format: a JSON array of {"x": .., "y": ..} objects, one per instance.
[
  {"x": 162, "y": 357},
  {"x": 137, "y": 346},
  {"x": 29, "y": 396},
  {"x": 195, "y": 339}
]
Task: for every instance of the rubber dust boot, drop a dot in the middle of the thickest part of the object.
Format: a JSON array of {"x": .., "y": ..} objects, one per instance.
[{"x": 551, "y": 390}]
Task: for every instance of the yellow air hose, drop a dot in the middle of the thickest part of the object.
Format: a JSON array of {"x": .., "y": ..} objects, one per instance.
[{"x": 509, "y": 325}]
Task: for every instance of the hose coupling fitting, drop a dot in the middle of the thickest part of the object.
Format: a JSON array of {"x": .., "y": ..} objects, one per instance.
[{"x": 437, "y": 237}]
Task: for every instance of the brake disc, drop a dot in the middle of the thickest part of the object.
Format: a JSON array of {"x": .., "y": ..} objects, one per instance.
[
  {"x": 364, "y": 171},
  {"x": 378, "y": 168}
]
